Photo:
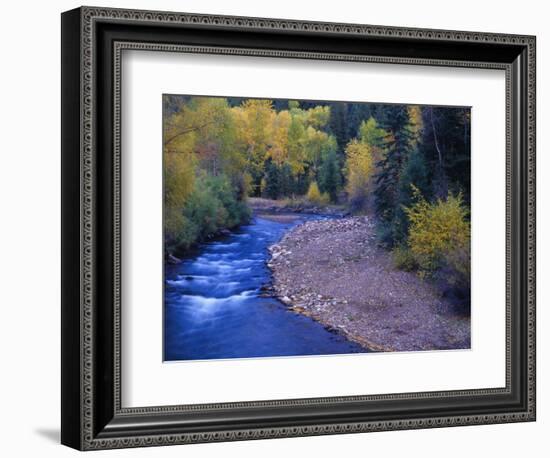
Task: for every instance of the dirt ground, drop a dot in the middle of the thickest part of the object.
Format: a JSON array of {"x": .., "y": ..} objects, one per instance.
[{"x": 332, "y": 271}]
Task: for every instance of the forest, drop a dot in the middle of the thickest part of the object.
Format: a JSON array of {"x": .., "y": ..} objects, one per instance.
[{"x": 407, "y": 165}]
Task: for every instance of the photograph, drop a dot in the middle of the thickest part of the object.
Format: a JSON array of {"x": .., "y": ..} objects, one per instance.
[
  {"x": 280, "y": 222},
  {"x": 314, "y": 227}
]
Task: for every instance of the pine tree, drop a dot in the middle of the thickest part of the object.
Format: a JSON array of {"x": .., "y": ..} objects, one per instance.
[
  {"x": 397, "y": 145},
  {"x": 286, "y": 181},
  {"x": 329, "y": 176},
  {"x": 446, "y": 145},
  {"x": 414, "y": 176},
  {"x": 272, "y": 179},
  {"x": 357, "y": 113},
  {"x": 338, "y": 124}
]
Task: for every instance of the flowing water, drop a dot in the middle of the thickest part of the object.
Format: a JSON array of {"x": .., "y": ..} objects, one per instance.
[{"x": 213, "y": 306}]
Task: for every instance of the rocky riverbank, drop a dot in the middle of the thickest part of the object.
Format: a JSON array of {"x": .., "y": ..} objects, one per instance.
[{"x": 332, "y": 271}]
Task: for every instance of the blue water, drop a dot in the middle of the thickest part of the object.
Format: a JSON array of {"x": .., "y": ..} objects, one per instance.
[{"x": 213, "y": 307}]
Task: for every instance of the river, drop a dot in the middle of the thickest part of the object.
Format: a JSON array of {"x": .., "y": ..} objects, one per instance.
[{"x": 214, "y": 308}]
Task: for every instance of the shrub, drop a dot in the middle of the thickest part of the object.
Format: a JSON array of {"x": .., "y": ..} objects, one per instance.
[
  {"x": 313, "y": 193},
  {"x": 454, "y": 276},
  {"x": 180, "y": 232},
  {"x": 205, "y": 210},
  {"x": 403, "y": 258},
  {"x": 315, "y": 197},
  {"x": 459, "y": 261},
  {"x": 439, "y": 233},
  {"x": 384, "y": 235},
  {"x": 236, "y": 211},
  {"x": 212, "y": 205}
]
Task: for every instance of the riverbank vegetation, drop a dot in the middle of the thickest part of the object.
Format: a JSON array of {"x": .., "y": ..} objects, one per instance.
[{"x": 408, "y": 165}]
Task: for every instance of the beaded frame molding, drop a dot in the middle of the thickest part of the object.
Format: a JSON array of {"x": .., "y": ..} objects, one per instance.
[{"x": 93, "y": 40}]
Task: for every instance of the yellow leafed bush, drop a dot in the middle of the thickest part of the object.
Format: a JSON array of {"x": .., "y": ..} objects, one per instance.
[
  {"x": 314, "y": 195},
  {"x": 359, "y": 167},
  {"x": 403, "y": 258},
  {"x": 439, "y": 233}
]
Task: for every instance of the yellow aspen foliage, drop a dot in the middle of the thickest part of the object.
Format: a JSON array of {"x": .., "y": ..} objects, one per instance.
[
  {"x": 373, "y": 135},
  {"x": 318, "y": 116},
  {"x": 315, "y": 196},
  {"x": 179, "y": 183},
  {"x": 179, "y": 167},
  {"x": 279, "y": 144},
  {"x": 316, "y": 143},
  {"x": 179, "y": 178},
  {"x": 359, "y": 168},
  {"x": 253, "y": 124},
  {"x": 296, "y": 147},
  {"x": 313, "y": 193},
  {"x": 438, "y": 231},
  {"x": 359, "y": 164},
  {"x": 416, "y": 124}
]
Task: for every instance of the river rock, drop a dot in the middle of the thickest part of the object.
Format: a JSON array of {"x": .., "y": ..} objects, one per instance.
[{"x": 333, "y": 271}]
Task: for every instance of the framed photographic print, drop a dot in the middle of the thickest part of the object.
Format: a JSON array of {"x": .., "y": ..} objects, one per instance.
[{"x": 276, "y": 228}]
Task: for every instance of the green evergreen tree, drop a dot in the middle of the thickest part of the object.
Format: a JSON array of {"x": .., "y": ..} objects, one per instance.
[
  {"x": 300, "y": 183},
  {"x": 272, "y": 177},
  {"x": 446, "y": 145},
  {"x": 286, "y": 182},
  {"x": 395, "y": 122},
  {"x": 357, "y": 113},
  {"x": 415, "y": 173},
  {"x": 329, "y": 176},
  {"x": 338, "y": 124}
]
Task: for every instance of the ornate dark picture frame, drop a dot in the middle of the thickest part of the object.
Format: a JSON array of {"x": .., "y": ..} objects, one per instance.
[{"x": 92, "y": 42}]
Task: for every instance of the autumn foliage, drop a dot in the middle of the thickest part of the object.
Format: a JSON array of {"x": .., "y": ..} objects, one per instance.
[
  {"x": 406, "y": 165},
  {"x": 439, "y": 236},
  {"x": 315, "y": 197},
  {"x": 217, "y": 152},
  {"x": 359, "y": 167}
]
